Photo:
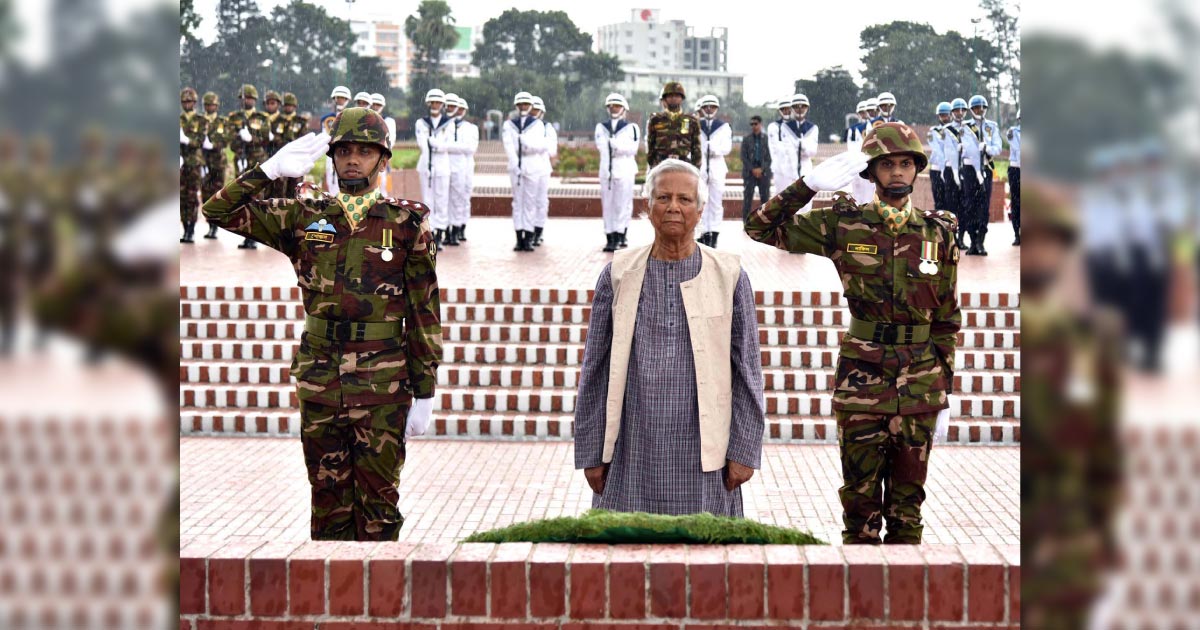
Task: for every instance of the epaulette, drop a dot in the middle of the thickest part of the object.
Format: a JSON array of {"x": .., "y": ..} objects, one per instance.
[
  {"x": 945, "y": 218},
  {"x": 418, "y": 209},
  {"x": 843, "y": 203}
]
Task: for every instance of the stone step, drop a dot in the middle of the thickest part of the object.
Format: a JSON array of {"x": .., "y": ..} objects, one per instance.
[
  {"x": 564, "y": 296},
  {"x": 228, "y": 421},
  {"x": 559, "y": 333},
  {"x": 565, "y": 354},
  {"x": 560, "y": 400},
  {"x": 990, "y": 318},
  {"x": 255, "y": 373}
]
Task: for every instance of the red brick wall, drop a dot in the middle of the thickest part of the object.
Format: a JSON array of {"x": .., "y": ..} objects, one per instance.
[{"x": 344, "y": 586}]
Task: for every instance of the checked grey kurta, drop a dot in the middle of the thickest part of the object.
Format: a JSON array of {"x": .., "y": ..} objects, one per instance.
[{"x": 656, "y": 467}]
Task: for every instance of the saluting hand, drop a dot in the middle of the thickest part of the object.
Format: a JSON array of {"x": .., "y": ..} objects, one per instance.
[
  {"x": 296, "y": 158},
  {"x": 837, "y": 172}
]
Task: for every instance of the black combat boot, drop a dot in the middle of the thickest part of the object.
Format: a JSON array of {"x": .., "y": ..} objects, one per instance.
[
  {"x": 438, "y": 239},
  {"x": 611, "y": 245},
  {"x": 248, "y": 244},
  {"x": 527, "y": 241},
  {"x": 187, "y": 237},
  {"x": 712, "y": 239},
  {"x": 451, "y": 236},
  {"x": 520, "y": 240},
  {"x": 1017, "y": 237},
  {"x": 462, "y": 233},
  {"x": 537, "y": 237},
  {"x": 212, "y": 231},
  {"x": 622, "y": 242}
]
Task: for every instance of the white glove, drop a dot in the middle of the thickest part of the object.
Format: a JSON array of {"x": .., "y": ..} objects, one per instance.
[
  {"x": 270, "y": 135},
  {"x": 296, "y": 158},
  {"x": 207, "y": 146},
  {"x": 244, "y": 134},
  {"x": 181, "y": 161},
  {"x": 419, "y": 416},
  {"x": 836, "y": 172},
  {"x": 942, "y": 429},
  {"x": 183, "y": 139}
]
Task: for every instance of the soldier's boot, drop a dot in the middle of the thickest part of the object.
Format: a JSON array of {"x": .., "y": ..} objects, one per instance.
[
  {"x": 520, "y": 239},
  {"x": 1017, "y": 237},
  {"x": 611, "y": 246},
  {"x": 451, "y": 237},
  {"x": 712, "y": 239},
  {"x": 248, "y": 244},
  {"x": 187, "y": 233},
  {"x": 462, "y": 233},
  {"x": 979, "y": 251},
  {"x": 703, "y": 240},
  {"x": 622, "y": 241},
  {"x": 438, "y": 239},
  {"x": 212, "y": 231},
  {"x": 537, "y": 237},
  {"x": 960, "y": 240},
  {"x": 528, "y": 242}
]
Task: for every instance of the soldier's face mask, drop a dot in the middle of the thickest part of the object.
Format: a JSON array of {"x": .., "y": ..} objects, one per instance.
[
  {"x": 350, "y": 161},
  {"x": 894, "y": 174}
]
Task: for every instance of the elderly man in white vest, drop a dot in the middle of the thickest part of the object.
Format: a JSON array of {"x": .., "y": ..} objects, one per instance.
[{"x": 669, "y": 418}]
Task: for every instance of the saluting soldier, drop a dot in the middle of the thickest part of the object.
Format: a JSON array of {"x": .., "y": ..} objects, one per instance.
[
  {"x": 214, "y": 145},
  {"x": 367, "y": 362},
  {"x": 672, "y": 133},
  {"x": 192, "y": 129},
  {"x": 898, "y": 266}
]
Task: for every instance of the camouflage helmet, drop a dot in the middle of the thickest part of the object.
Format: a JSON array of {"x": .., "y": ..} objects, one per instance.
[
  {"x": 272, "y": 95},
  {"x": 673, "y": 87},
  {"x": 290, "y": 99},
  {"x": 249, "y": 91},
  {"x": 211, "y": 98},
  {"x": 187, "y": 94},
  {"x": 891, "y": 139},
  {"x": 359, "y": 124}
]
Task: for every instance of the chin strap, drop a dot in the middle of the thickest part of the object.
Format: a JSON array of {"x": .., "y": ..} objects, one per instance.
[
  {"x": 899, "y": 191},
  {"x": 359, "y": 184}
]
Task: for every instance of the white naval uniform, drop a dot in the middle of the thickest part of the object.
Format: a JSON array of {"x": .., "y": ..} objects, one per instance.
[
  {"x": 716, "y": 141},
  {"x": 524, "y": 139},
  {"x": 465, "y": 138},
  {"x": 433, "y": 167},
  {"x": 618, "y": 142}
]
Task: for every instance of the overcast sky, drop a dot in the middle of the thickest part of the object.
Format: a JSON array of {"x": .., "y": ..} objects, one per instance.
[{"x": 772, "y": 49}]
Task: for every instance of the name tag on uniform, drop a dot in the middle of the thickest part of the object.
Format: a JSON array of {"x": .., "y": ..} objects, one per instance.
[
  {"x": 861, "y": 248},
  {"x": 323, "y": 237}
]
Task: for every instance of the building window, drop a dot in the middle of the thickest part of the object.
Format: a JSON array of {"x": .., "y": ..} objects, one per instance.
[
  {"x": 667, "y": 35},
  {"x": 704, "y": 44},
  {"x": 628, "y": 33},
  {"x": 629, "y": 50},
  {"x": 652, "y": 54},
  {"x": 703, "y": 57}
]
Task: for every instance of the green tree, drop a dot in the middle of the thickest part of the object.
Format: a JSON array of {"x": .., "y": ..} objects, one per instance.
[
  {"x": 189, "y": 21},
  {"x": 833, "y": 94},
  {"x": 1006, "y": 37},
  {"x": 431, "y": 32},
  {"x": 10, "y": 31}
]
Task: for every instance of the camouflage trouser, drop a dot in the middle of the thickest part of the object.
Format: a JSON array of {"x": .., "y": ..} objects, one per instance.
[
  {"x": 189, "y": 193},
  {"x": 214, "y": 180},
  {"x": 354, "y": 457},
  {"x": 884, "y": 461}
]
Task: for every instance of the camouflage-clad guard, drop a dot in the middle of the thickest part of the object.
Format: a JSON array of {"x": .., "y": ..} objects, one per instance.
[
  {"x": 249, "y": 135},
  {"x": 367, "y": 363},
  {"x": 296, "y": 126},
  {"x": 1070, "y": 402},
  {"x": 673, "y": 133},
  {"x": 898, "y": 267},
  {"x": 215, "y": 161},
  {"x": 192, "y": 129}
]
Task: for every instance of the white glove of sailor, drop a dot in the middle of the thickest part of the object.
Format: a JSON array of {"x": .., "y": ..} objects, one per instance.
[
  {"x": 183, "y": 139},
  {"x": 942, "y": 429},
  {"x": 419, "y": 416},
  {"x": 244, "y": 134},
  {"x": 837, "y": 172},
  {"x": 296, "y": 158},
  {"x": 208, "y": 145}
]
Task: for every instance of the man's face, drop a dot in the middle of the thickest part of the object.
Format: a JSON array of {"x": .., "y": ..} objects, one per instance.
[
  {"x": 709, "y": 110},
  {"x": 615, "y": 110},
  {"x": 451, "y": 110},
  {"x": 272, "y": 106},
  {"x": 435, "y": 108},
  {"x": 362, "y": 103},
  {"x": 755, "y": 127},
  {"x": 886, "y": 109},
  {"x": 210, "y": 108},
  {"x": 674, "y": 101},
  {"x": 289, "y": 109},
  {"x": 943, "y": 118},
  {"x": 523, "y": 109},
  {"x": 535, "y": 112},
  {"x": 958, "y": 114},
  {"x": 188, "y": 105},
  {"x": 872, "y": 112},
  {"x": 978, "y": 111},
  {"x": 800, "y": 110},
  {"x": 377, "y": 107},
  {"x": 674, "y": 208},
  {"x": 354, "y": 160},
  {"x": 785, "y": 112},
  {"x": 339, "y": 102},
  {"x": 248, "y": 102},
  {"x": 1043, "y": 255},
  {"x": 893, "y": 170}
]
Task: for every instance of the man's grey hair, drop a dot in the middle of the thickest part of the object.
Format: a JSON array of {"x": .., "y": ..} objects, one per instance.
[{"x": 671, "y": 165}]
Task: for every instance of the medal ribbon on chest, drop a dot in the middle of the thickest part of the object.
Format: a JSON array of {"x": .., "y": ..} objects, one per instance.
[{"x": 929, "y": 258}]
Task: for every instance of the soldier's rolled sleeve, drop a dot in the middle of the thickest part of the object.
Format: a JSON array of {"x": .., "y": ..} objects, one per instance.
[
  {"x": 777, "y": 223},
  {"x": 268, "y": 221},
  {"x": 423, "y": 324},
  {"x": 947, "y": 318},
  {"x": 748, "y": 421},
  {"x": 592, "y": 403}
]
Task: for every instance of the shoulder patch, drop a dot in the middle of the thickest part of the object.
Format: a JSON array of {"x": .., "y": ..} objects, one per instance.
[
  {"x": 946, "y": 219},
  {"x": 843, "y": 203}
]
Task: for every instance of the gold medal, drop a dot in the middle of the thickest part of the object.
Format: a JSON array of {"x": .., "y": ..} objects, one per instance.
[{"x": 387, "y": 246}]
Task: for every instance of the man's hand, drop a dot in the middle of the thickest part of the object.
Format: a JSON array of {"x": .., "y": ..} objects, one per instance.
[
  {"x": 183, "y": 139},
  {"x": 941, "y": 430},
  {"x": 596, "y": 476},
  {"x": 837, "y": 172},
  {"x": 419, "y": 416},
  {"x": 296, "y": 158},
  {"x": 244, "y": 134},
  {"x": 208, "y": 145},
  {"x": 736, "y": 474},
  {"x": 757, "y": 172}
]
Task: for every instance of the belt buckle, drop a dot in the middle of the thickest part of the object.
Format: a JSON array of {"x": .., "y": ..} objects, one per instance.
[
  {"x": 889, "y": 334},
  {"x": 340, "y": 330}
]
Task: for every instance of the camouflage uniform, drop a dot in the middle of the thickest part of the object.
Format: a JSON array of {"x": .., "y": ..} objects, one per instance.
[
  {"x": 214, "y": 159},
  {"x": 1071, "y": 460},
  {"x": 355, "y": 381},
  {"x": 673, "y": 135},
  {"x": 194, "y": 126},
  {"x": 248, "y": 154},
  {"x": 287, "y": 127},
  {"x": 889, "y": 386},
  {"x": 12, "y": 190}
]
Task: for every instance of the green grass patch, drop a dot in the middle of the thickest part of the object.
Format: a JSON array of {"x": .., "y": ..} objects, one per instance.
[
  {"x": 405, "y": 158},
  {"x": 605, "y": 527},
  {"x": 1001, "y": 170}
]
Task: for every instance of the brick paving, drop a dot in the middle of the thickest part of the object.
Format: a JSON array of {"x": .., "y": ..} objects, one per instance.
[{"x": 256, "y": 488}]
